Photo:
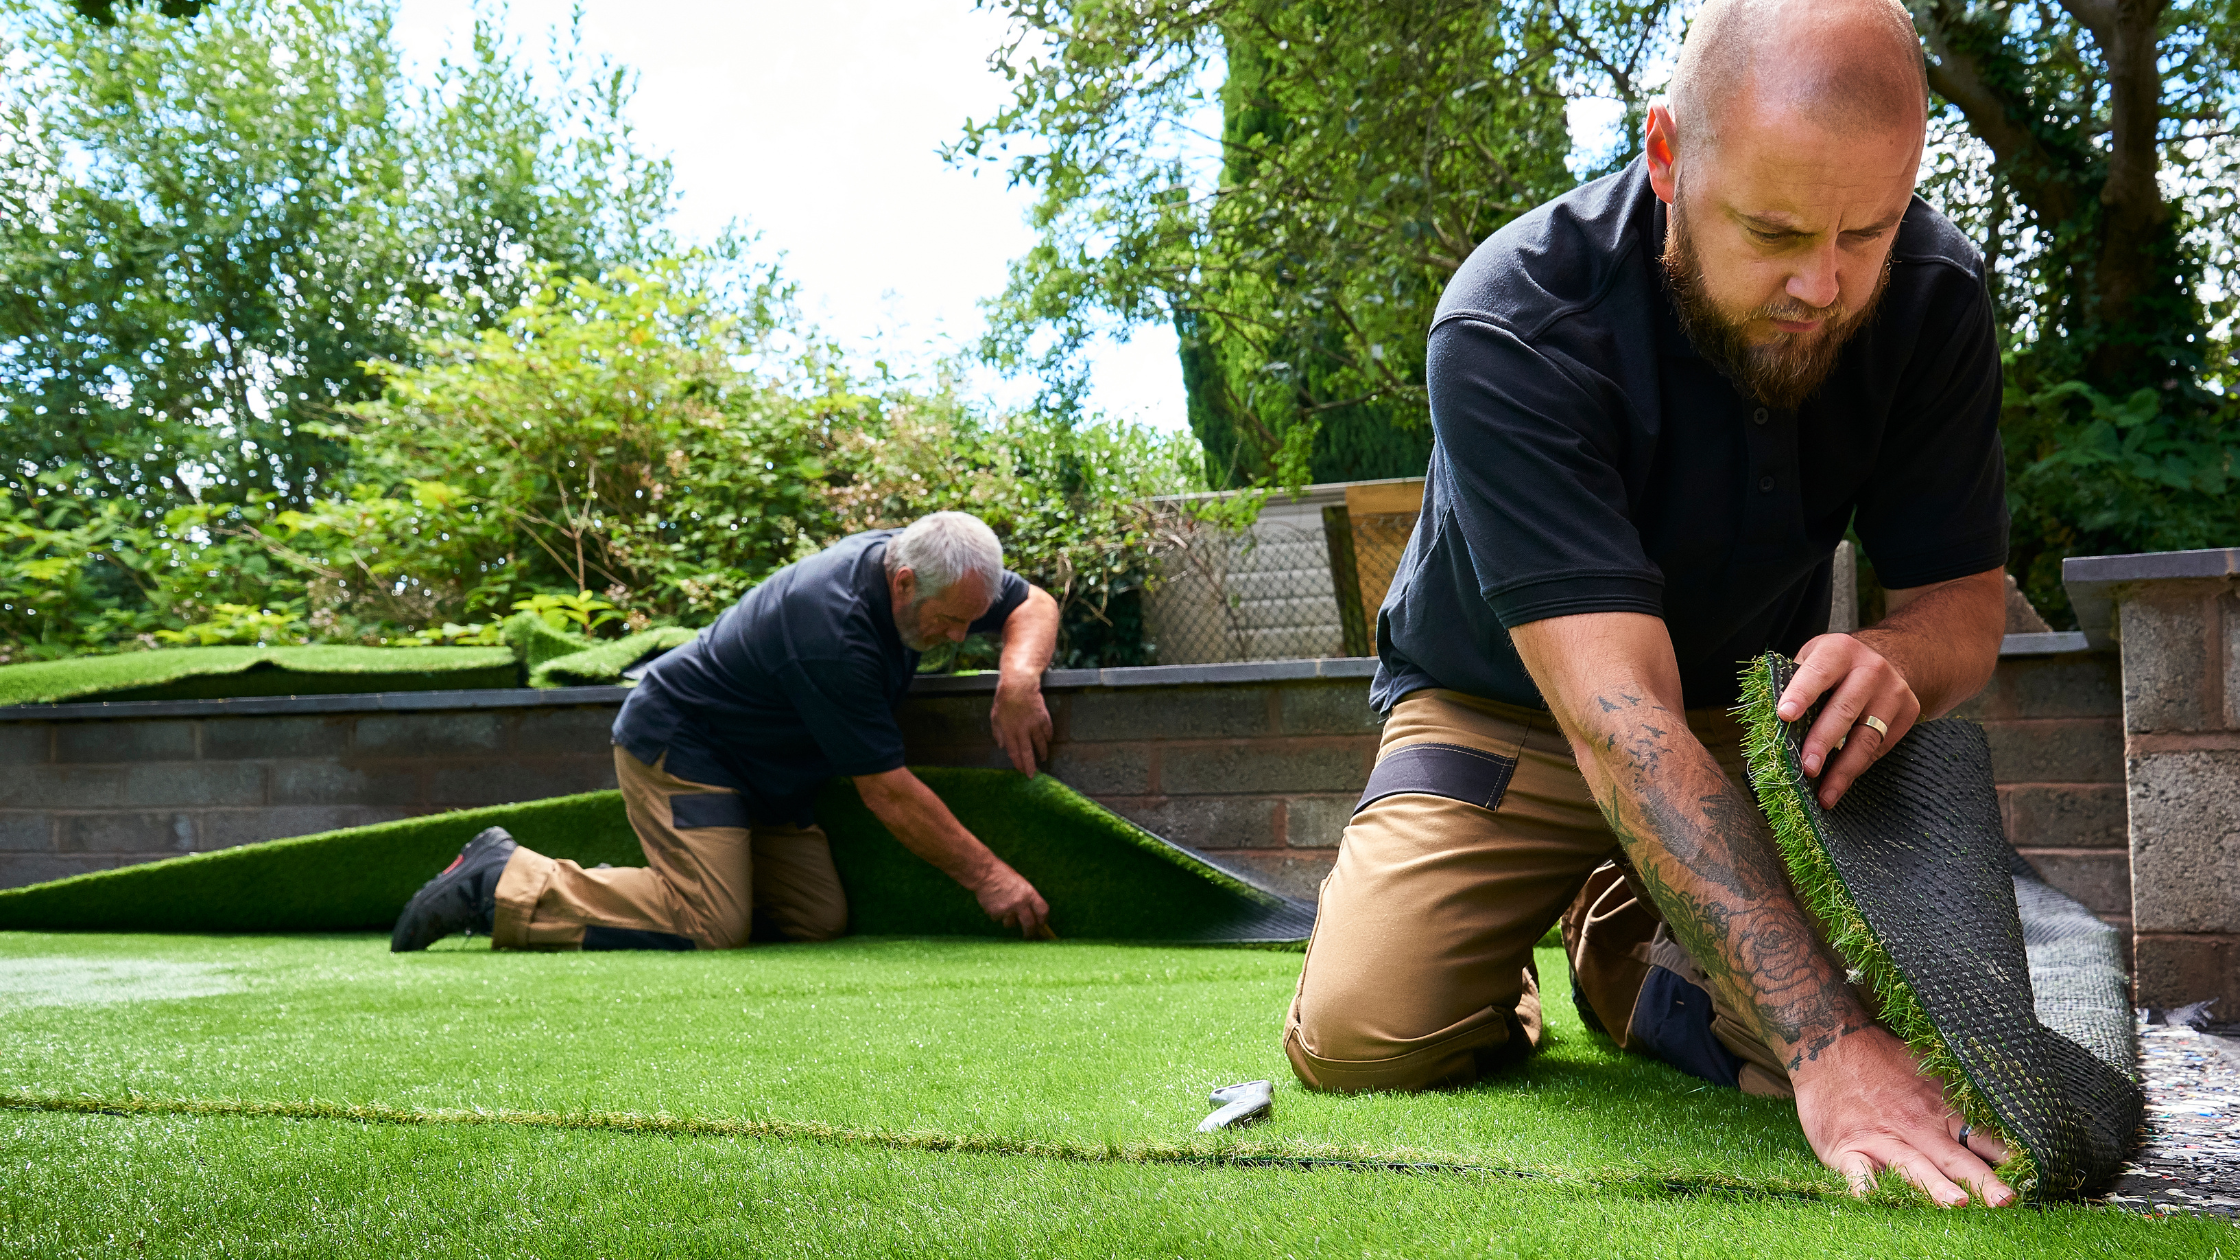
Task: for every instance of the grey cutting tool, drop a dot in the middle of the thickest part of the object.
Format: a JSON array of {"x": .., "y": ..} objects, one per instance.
[{"x": 1240, "y": 1105}]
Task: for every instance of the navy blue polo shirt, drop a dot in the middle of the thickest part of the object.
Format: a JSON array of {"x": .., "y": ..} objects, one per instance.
[
  {"x": 1586, "y": 459},
  {"x": 793, "y": 684}
]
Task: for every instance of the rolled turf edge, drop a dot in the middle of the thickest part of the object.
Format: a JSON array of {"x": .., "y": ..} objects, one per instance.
[{"x": 1777, "y": 777}]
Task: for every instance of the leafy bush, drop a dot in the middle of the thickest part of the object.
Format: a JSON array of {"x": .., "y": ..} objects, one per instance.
[{"x": 607, "y": 457}]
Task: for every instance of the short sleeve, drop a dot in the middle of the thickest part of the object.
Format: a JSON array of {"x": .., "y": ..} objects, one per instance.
[
  {"x": 1936, "y": 507},
  {"x": 1011, "y": 594},
  {"x": 845, "y": 708},
  {"x": 1537, "y": 492}
]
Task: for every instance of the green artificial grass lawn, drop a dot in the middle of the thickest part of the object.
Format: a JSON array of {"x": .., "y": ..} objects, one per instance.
[
  {"x": 871, "y": 1096},
  {"x": 204, "y": 673},
  {"x": 1104, "y": 877}
]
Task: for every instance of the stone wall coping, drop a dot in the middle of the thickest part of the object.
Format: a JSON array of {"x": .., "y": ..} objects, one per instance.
[
  {"x": 2092, "y": 581},
  {"x": 2050, "y": 644},
  {"x": 1236, "y": 673}
]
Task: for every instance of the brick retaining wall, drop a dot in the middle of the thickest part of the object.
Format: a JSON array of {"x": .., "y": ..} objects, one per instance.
[
  {"x": 1254, "y": 765},
  {"x": 2055, "y": 723}
]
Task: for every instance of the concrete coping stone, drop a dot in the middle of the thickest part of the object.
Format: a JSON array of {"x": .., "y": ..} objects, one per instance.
[
  {"x": 2092, "y": 581},
  {"x": 2051, "y": 644}
]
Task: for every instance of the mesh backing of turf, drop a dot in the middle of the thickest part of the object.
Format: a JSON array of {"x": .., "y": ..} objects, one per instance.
[
  {"x": 216, "y": 673},
  {"x": 1105, "y": 878},
  {"x": 1914, "y": 878}
]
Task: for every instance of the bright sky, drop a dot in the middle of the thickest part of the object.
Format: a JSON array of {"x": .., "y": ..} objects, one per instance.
[{"x": 820, "y": 125}]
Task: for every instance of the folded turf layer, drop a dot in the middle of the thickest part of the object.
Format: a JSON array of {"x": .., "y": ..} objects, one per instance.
[
  {"x": 1104, "y": 877},
  {"x": 100, "y": 1185},
  {"x": 204, "y": 673},
  {"x": 604, "y": 662}
]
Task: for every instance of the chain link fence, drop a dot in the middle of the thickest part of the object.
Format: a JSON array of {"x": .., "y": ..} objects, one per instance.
[{"x": 1303, "y": 581}]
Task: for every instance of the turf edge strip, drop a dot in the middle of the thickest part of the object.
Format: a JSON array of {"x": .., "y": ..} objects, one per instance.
[{"x": 832, "y": 1135}]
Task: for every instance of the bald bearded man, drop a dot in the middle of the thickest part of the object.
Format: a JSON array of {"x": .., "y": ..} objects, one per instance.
[{"x": 1659, "y": 402}]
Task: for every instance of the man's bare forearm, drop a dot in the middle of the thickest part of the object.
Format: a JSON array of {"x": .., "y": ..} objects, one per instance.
[
  {"x": 1704, "y": 857},
  {"x": 1030, "y": 638},
  {"x": 925, "y": 826},
  {"x": 1696, "y": 842},
  {"x": 1943, "y": 638}
]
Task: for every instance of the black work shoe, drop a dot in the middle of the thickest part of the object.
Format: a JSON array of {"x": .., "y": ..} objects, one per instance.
[{"x": 462, "y": 899}]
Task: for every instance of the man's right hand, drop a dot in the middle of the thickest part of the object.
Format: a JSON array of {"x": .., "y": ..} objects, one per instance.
[
  {"x": 1010, "y": 900},
  {"x": 1866, "y": 1106},
  {"x": 926, "y": 827}
]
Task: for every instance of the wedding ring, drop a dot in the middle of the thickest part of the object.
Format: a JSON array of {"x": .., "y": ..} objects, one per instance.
[{"x": 1876, "y": 723}]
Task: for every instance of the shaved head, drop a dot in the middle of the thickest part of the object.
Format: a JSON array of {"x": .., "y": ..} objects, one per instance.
[{"x": 1844, "y": 65}]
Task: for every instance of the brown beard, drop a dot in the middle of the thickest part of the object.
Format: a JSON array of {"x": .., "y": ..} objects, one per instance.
[{"x": 1781, "y": 373}]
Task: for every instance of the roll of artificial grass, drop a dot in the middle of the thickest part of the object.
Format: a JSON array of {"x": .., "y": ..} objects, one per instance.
[
  {"x": 205, "y": 673},
  {"x": 2006, "y": 989},
  {"x": 1104, "y": 877}
]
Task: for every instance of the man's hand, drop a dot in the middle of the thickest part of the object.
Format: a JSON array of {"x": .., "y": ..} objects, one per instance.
[
  {"x": 925, "y": 826},
  {"x": 1866, "y": 1107},
  {"x": 1022, "y": 723},
  {"x": 1859, "y": 683},
  {"x": 1010, "y": 900},
  {"x": 1937, "y": 647}
]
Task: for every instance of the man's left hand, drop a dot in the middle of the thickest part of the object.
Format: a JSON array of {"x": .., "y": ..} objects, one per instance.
[
  {"x": 1022, "y": 724},
  {"x": 1859, "y": 683}
]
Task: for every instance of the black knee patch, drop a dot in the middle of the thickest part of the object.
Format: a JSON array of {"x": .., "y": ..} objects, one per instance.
[
  {"x": 688, "y": 810},
  {"x": 1672, "y": 1020},
  {"x": 1450, "y": 770},
  {"x": 633, "y": 938}
]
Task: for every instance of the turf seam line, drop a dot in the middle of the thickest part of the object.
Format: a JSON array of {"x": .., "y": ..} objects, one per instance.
[{"x": 663, "y": 1123}]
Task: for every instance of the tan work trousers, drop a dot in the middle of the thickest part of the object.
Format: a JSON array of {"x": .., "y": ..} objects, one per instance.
[
  {"x": 1420, "y": 971},
  {"x": 707, "y": 884}
]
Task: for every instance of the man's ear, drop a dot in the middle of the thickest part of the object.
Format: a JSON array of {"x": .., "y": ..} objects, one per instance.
[
  {"x": 905, "y": 584},
  {"x": 1660, "y": 147}
]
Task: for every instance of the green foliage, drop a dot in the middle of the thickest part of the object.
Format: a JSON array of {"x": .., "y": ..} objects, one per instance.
[
  {"x": 1362, "y": 154},
  {"x": 587, "y": 612},
  {"x": 2090, "y": 150},
  {"x": 105, "y": 11},
  {"x": 214, "y": 224},
  {"x": 598, "y": 461}
]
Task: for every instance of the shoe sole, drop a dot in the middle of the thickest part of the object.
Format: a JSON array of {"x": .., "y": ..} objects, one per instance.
[{"x": 445, "y": 880}]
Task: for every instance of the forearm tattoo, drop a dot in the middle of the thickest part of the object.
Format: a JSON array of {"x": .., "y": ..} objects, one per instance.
[{"x": 1712, "y": 869}]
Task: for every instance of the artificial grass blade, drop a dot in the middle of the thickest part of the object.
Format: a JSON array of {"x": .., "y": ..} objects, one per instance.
[
  {"x": 1104, "y": 877},
  {"x": 1911, "y": 875}
]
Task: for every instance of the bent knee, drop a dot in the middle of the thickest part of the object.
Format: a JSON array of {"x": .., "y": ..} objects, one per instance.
[
  {"x": 803, "y": 923},
  {"x": 1330, "y": 1051}
]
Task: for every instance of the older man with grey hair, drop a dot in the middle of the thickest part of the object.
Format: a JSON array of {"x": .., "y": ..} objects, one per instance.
[{"x": 721, "y": 748}]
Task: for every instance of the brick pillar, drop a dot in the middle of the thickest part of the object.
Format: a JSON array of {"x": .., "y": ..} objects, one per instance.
[{"x": 2178, "y": 621}]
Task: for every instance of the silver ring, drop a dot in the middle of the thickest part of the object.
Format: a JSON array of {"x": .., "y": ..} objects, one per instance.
[
  {"x": 1876, "y": 723},
  {"x": 1965, "y": 1129}
]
